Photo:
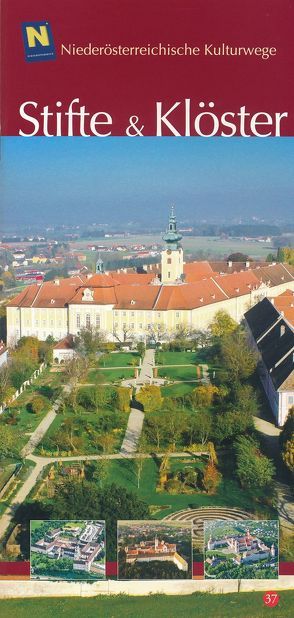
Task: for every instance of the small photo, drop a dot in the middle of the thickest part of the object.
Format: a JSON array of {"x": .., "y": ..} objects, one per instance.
[
  {"x": 67, "y": 550},
  {"x": 154, "y": 550},
  {"x": 247, "y": 549}
]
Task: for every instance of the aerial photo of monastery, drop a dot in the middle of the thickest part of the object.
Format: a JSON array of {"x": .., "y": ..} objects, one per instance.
[
  {"x": 152, "y": 550},
  {"x": 68, "y": 550},
  {"x": 234, "y": 550}
]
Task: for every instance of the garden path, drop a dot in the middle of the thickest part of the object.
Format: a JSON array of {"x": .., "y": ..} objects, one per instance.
[{"x": 136, "y": 418}]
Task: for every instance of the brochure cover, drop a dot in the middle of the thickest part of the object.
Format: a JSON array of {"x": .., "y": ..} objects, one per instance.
[{"x": 146, "y": 308}]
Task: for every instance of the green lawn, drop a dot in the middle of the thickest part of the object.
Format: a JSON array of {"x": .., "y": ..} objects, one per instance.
[
  {"x": 228, "y": 494},
  {"x": 177, "y": 358},
  {"x": 103, "y": 376},
  {"x": 119, "y": 359},
  {"x": 178, "y": 390},
  {"x": 200, "y": 605},
  {"x": 179, "y": 373}
]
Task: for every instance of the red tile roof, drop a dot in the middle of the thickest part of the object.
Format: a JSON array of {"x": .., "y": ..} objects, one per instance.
[
  {"x": 135, "y": 291},
  {"x": 285, "y": 305}
]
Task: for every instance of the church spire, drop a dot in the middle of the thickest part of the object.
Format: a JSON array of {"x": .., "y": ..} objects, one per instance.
[
  {"x": 171, "y": 236},
  {"x": 99, "y": 266}
]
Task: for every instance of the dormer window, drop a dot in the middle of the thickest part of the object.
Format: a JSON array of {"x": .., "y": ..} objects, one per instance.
[
  {"x": 282, "y": 330},
  {"x": 52, "y": 301},
  {"x": 87, "y": 295},
  {"x": 133, "y": 302}
]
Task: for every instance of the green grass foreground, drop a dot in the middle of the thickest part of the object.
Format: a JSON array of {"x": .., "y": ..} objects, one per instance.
[{"x": 237, "y": 605}]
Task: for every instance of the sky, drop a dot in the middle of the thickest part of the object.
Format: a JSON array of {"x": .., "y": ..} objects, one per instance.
[{"x": 79, "y": 180}]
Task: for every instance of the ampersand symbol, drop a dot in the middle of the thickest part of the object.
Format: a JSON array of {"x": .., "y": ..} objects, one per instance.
[{"x": 133, "y": 130}]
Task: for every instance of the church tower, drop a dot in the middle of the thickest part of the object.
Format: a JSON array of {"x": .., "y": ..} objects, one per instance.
[
  {"x": 172, "y": 265},
  {"x": 99, "y": 266}
]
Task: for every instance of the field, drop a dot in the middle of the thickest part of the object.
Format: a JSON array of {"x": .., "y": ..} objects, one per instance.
[
  {"x": 212, "y": 245},
  {"x": 200, "y": 605}
]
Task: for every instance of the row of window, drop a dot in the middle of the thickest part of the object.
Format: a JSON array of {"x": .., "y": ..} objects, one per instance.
[
  {"x": 140, "y": 326},
  {"x": 139, "y": 313},
  {"x": 88, "y": 321}
]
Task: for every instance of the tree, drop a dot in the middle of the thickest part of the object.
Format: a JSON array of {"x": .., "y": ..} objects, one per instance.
[
  {"x": 20, "y": 371},
  {"x": 180, "y": 338},
  {"x": 202, "y": 396},
  {"x": 141, "y": 348},
  {"x": 239, "y": 359},
  {"x": 211, "y": 478},
  {"x": 254, "y": 469},
  {"x": 222, "y": 324},
  {"x": 156, "y": 333},
  {"x": 238, "y": 257},
  {"x": 75, "y": 371},
  {"x": 90, "y": 341},
  {"x": 6, "y": 391},
  {"x": 231, "y": 423},
  {"x": 199, "y": 426},
  {"x": 37, "y": 404},
  {"x": 156, "y": 429},
  {"x": 124, "y": 334},
  {"x": 28, "y": 349},
  {"x": 8, "y": 441},
  {"x": 150, "y": 397},
  {"x": 139, "y": 461},
  {"x": 123, "y": 398},
  {"x": 287, "y": 440},
  {"x": 107, "y": 442},
  {"x": 176, "y": 425}
]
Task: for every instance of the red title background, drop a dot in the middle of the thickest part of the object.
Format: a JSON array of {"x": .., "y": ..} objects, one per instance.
[{"x": 123, "y": 85}]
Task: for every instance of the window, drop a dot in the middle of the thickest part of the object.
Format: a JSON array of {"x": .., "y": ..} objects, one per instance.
[
  {"x": 124, "y": 314},
  {"x": 44, "y": 322},
  {"x": 132, "y": 326},
  {"x": 168, "y": 275},
  {"x": 124, "y": 325},
  {"x": 290, "y": 400},
  {"x": 36, "y": 322},
  {"x": 177, "y": 326},
  {"x": 116, "y": 313},
  {"x": 78, "y": 320},
  {"x": 88, "y": 320},
  {"x": 159, "y": 315},
  {"x": 98, "y": 320},
  {"x": 51, "y": 322},
  {"x": 177, "y": 314},
  {"x": 132, "y": 313},
  {"x": 115, "y": 324},
  {"x": 149, "y": 326},
  {"x": 141, "y": 326},
  {"x": 169, "y": 260}
]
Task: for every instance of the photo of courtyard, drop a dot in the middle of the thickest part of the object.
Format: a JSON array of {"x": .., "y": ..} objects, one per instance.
[{"x": 69, "y": 550}]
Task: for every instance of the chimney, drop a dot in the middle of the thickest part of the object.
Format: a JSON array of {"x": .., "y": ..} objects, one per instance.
[
  {"x": 247, "y": 264},
  {"x": 230, "y": 263},
  {"x": 56, "y": 282}
]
